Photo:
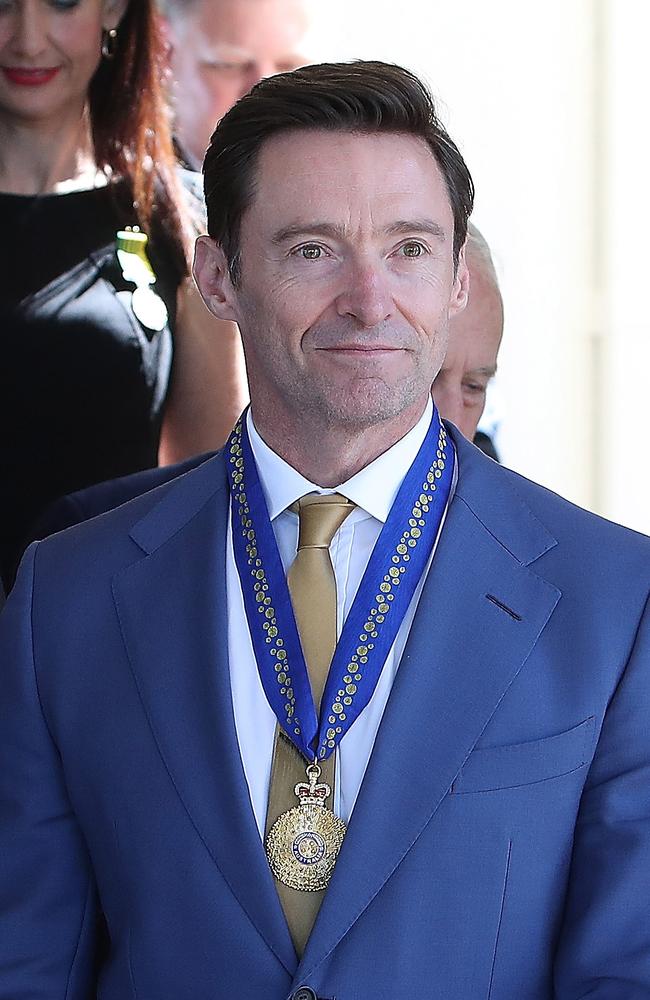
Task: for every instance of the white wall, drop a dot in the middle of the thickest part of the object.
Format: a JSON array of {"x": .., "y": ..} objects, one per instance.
[
  {"x": 541, "y": 100},
  {"x": 625, "y": 470}
]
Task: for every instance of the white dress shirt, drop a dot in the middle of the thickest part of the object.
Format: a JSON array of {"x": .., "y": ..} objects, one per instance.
[{"x": 373, "y": 490}]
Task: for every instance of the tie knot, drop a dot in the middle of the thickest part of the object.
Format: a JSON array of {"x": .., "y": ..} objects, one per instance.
[{"x": 320, "y": 517}]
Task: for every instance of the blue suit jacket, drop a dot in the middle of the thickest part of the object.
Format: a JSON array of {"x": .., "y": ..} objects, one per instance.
[{"x": 500, "y": 844}]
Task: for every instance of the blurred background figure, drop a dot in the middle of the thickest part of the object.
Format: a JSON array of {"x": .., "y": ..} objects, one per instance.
[
  {"x": 218, "y": 50},
  {"x": 94, "y": 324},
  {"x": 474, "y": 338}
]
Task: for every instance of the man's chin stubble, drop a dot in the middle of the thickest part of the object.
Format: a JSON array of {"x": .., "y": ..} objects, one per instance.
[{"x": 354, "y": 412}]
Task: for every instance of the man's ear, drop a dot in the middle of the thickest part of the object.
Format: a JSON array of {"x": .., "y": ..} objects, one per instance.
[
  {"x": 212, "y": 277},
  {"x": 114, "y": 11},
  {"x": 460, "y": 291}
]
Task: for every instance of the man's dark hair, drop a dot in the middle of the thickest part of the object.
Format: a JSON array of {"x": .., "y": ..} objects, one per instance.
[{"x": 364, "y": 97}]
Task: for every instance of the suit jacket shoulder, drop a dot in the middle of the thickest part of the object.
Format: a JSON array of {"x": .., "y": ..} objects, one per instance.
[{"x": 517, "y": 511}]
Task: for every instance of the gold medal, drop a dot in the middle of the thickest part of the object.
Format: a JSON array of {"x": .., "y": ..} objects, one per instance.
[{"x": 303, "y": 844}]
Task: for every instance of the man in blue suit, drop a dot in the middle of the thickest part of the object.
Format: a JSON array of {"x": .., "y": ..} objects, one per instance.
[{"x": 471, "y": 815}]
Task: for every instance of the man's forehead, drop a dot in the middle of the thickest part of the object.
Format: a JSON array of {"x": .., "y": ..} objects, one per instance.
[
  {"x": 300, "y": 172},
  {"x": 470, "y": 356},
  {"x": 476, "y": 332},
  {"x": 251, "y": 23}
]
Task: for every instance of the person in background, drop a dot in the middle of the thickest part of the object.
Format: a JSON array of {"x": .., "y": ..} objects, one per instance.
[
  {"x": 474, "y": 339},
  {"x": 95, "y": 325},
  {"x": 218, "y": 50}
]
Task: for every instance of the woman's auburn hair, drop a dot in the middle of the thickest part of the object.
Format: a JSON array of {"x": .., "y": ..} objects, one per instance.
[{"x": 131, "y": 126}]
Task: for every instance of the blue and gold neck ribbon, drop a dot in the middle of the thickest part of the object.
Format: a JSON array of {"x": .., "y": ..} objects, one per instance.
[{"x": 394, "y": 570}]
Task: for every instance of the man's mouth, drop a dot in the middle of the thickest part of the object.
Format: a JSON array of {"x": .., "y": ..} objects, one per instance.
[{"x": 362, "y": 348}]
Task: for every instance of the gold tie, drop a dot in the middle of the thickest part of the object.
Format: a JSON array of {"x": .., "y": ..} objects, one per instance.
[{"x": 312, "y": 586}]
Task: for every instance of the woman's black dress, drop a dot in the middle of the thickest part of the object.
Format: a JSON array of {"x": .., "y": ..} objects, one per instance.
[{"x": 82, "y": 381}]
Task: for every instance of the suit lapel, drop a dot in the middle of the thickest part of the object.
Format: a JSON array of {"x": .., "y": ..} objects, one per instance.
[
  {"x": 172, "y": 608},
  {"x": 480, "y": 614}
]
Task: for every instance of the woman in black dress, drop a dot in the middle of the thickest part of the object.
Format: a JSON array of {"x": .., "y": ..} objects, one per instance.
[{"x": 92, "y": 324}]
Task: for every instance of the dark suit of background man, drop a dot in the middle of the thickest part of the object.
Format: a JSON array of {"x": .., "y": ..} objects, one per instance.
[{"x": 496, "y": 785}]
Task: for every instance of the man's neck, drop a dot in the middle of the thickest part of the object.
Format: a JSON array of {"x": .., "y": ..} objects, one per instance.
[
  {"x": 37, "y": 158},
  {"x": 330, "y": 455}
]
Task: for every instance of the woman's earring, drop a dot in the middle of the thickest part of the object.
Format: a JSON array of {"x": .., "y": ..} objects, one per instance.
[{"x": 109, "y": 43}]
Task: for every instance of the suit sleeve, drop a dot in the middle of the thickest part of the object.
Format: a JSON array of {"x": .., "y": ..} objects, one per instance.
[
  {"x": 604, "y": 949},
  {"x": 47, "y": 898}
]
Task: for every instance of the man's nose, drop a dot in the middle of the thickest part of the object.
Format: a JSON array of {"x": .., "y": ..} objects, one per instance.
[{"x": 367, "y": 296}]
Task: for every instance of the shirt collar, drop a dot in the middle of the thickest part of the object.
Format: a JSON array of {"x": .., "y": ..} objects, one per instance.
[{"x": 373, "y": 488}]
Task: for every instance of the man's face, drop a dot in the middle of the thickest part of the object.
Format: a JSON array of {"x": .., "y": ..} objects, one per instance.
[
  {"x": 220, "y": 49},
  {"x": 347, "y": 279},
  {"x": 471, "y": 360}
]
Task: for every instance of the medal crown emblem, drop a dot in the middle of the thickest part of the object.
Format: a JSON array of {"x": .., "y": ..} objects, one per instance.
[{"x": 312, "y": 793}]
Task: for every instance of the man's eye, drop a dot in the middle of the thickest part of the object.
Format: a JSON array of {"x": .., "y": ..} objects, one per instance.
[
  {"x": 311, "y": 251},
  {"x": 412, "y": 249},
  {"x": 217, "y": 66},
  {"x": 475, "y": 388}
]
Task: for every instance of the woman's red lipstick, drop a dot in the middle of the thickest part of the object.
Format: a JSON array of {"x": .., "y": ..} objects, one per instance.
[{"x": 24, "y": 77}]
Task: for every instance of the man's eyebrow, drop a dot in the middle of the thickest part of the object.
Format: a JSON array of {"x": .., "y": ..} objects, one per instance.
[
  {"x": 489, "y": 370},
  {"x": 404, "y": 226},
  {"x": 308, "y": 229},
  {"x": 222, "y": 50},
  {"x": 329, "y": 229}
]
